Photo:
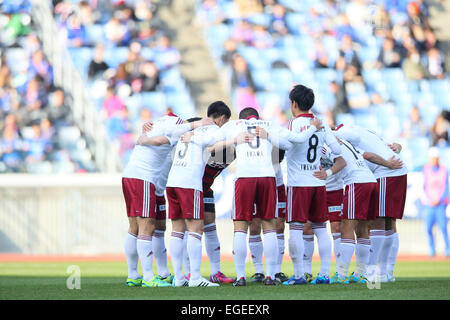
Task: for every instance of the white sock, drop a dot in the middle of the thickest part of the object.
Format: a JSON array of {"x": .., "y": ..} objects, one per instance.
[
  {"x": 256, "y": 250},
  {"x": 324, "y": 244},
  {"x": 212, "y": 246},
  {"x": 194, "y": 248},
  {"x": 240, "y": 252},
  {"x": 393, "y": 254},
  {"x": 336, "y": 243},
  {"x": 347, "y": 247},
  {"x": 132, "y": 255},
  {"x": 271, "y": 252},
  {"x": 362, "y": 256},
  {"x": 385, "y": 250},
  {"x": 186, "y": 262},
  {"x": 176, "y": 253},
  {"x": 296, "y": 248},
  {"x": 145, "y": 252},
  {"x": 280, "y": 238},
  {"x": 376, "y": 242},
  {"x": 308, "y": 243},
  {"x": 160, "y": 251}
]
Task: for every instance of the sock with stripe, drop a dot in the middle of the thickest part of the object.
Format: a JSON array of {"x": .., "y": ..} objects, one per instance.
[
  {"x": 296, "y": 248},
  {"x": 194, "y": 249},
  {"x": 176, "y": 253},
  {"x": 346, "y": 249},
  {"x": 131, "y": 255},
  {"x": 324, "y": 244},
  {"x": 280, "y": 238},
  {"x": 376, "y": 243},
  {"x": 145, "y": 252},
  {"x": 336, "y": 243},
  {"x": 385, "y": 250},
  {"x": 362, "y": 256},
  {"x": 393, "y": 254},
  {"x": 270, "y": 252},
  {"x": 256, "y": 250},
  {"x": 160, "y": 252},
  {"x": 212, "y": 246},
  {"x": 308, "y": 243},
  {"x": 240, "y": 252},
  {"x": 186, "y": 262}
]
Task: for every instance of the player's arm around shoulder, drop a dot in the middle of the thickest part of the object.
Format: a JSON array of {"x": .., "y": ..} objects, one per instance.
[{"x": 391, "y": 163}]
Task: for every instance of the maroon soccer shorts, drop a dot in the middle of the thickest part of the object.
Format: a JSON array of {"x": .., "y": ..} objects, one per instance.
[
  {"x": 360, "y": 201},
  {"x": 306, "y": 203},
  {"x": 160, "y": 207},
  {"x": 185, "y": 203},
  {"x": 392, "y": 196},
  {"x": 281, "y": 192},
  {"x": 334, "y": 203},
  {"x": 249, "y": 192},
  {"x": 140, "y": 198}
]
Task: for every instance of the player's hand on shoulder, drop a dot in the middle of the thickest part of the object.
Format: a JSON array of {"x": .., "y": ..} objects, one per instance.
[
  {"x": 396, "y": 147},
  {"x": 395, "y": 163},
  {"x": 316, "y": 122},
  {"x": 261, "y": 132},
  {"x": 147, "y": 126},
  {"x": 186, "y": 138},
  {"x": 243, "y": 137}
]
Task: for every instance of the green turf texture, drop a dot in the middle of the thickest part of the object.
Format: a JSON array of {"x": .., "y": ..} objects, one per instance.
[{"x": 106, "y": 280}]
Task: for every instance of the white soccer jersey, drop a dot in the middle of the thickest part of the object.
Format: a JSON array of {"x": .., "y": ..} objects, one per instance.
[
  {"x": 161, "y": 181},
  {"x": 146, "y": 161},
  {"x": 303, "y": 159},
  {"x": 190, "y": 159},
  {"x": 369, "y": 141},
  {"x": 333, "y": 182}
]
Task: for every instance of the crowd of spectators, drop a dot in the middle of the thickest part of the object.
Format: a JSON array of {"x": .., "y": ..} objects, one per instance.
[{"x": 33, "y": 111}]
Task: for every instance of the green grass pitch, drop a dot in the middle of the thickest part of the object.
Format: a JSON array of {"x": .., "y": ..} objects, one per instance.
[{"x": 105, "y": 280}]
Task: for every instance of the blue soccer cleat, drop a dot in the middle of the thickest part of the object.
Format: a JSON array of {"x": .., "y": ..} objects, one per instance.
[
  {"x": 292, "y": 281},
  {"x": 321, "y": 280},
  {"x": 337, "y": 280},
  {"x": 355, "y": 279},
  {"x": 134, "y": 282}
]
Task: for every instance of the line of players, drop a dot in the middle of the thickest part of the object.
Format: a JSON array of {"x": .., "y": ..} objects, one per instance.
[{"x": 183, "y": 158}]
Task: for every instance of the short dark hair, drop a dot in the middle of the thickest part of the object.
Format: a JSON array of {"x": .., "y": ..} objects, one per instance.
[
  {"x": 218, "y": 109},
  {"x": 304, "y": 97},
  {"x": 247, "y": 112},
  {"x": 193, "y": 119}
]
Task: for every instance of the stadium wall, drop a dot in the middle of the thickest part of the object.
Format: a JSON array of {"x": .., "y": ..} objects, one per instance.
[{"x": 85, "y": 215}]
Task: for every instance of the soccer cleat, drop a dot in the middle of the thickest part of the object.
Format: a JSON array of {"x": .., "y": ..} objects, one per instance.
[
  {"x": 292, "y": 281},
  {"x": 308, "y": 277},
  {"x": 219, "y": 277},
  {"x": 241, "y": 282},
  {"x": 390, "y": 277},
  {"x": 258, "y": 277},
  {"x": 281, "y": 277},
  {"x": 337, "y": 280},
  {"x": 180, "y": 283},
  {"x": 134, "y": 282},
  {"x": 155, "y": 282},
  {"x": 268, "y": 281},
  {"x": 168, "y": 279},
  {"x": 201, "y": 282},
  {"x": 355, "y": 279},
  {"x": 321, "y": 280}
]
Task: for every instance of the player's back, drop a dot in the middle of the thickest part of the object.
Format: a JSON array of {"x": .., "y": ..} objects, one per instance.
[
  {"x": 304, "y": 158},
  {"x": 189, "y": 162},
  {"x": 146, "y": 161}
]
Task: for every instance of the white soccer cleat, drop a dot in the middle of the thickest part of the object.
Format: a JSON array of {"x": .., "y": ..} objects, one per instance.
[
  {"x": 180, "y": 283},
  {"x": 202, "y": 282}
]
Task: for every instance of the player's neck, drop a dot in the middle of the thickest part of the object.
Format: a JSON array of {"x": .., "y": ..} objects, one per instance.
[{"x": 301, "y": 113}]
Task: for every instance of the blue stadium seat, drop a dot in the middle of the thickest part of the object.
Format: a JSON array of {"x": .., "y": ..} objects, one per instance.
[
  {"x": 294, "y": 20},
  {"x": 81, "y": 58},
  {"x": 68, "y": 137},
  {"x": 418, "y": 147},
  {"x": 392, "y": 75},
  {"x": 262, "y": 78},
  {"x": 346, "y": 119},
  {"x": 115, "y": 55},
  {"x": 155, "y": 101},
  {"x": 95, "y": 33}
]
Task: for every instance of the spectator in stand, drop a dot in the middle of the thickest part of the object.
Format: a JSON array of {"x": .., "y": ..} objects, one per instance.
[
  {"x": 33, "y": 103},
  {"x": 11, "y": 149},
  {"x": 47, "y": 130},
  {"x": 242, "y": 84},
  {"x": 439, "y": 131},
  {"x": 242, "y": 32},
  {"x": 343, "y": 28},
  {"x": 113, "y": 106},
  {"x": 320, "y": 55},
  {"x": 430, "y": 39},
  {"x": 58, "y": 112},
  {"x": 37, "y": 146},
  {"x": 277, "y": 25},
  {"x": 149, "y": 77},
  {"x": 209, "y": 13},
  {"x": 389, "y": 56},
  {"x": 348, "y": 52},
  {"x": 230, "y": 50},
  {"x": 39, "y": 66},
  {"x": 97, "y": 65},
  {"x": 116, "y": 32},
  {"x": 75, "y": 31},
  {"x": 418, "y": 35},
  {"x": 261, "y": 38},
  {"x": 414, "y": 125},
  {"x": 435, "y": 64},
  {"x": 166, "y": 56},
  {"x": 413, "y": 68},
  {"x": 87, "y": 16},
  {"x": 340, "y": 104}
]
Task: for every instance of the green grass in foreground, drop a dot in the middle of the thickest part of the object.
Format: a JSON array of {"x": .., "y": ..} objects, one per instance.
[{"x": 105, "y": 280}]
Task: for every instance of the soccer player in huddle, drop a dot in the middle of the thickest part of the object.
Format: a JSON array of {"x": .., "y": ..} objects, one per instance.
[
  {"x": 138, "y": 185},
  {"x": 392, "y": 185}
]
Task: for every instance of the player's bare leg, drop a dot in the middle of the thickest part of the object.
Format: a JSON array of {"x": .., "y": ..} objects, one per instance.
[
  {"x": 280, "y": 225},
  {"x": 240, "y": 250},
  {"x": 270, "y": 250},
  {"x": 159, "y": 248},
  {"x": 144, "y": 245},
  {"x": 308, "y": 243},
  {"x": 131, "y": 249},
  {"x": 177, "y": 249},
  {"x": 256, "y": 249}
]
